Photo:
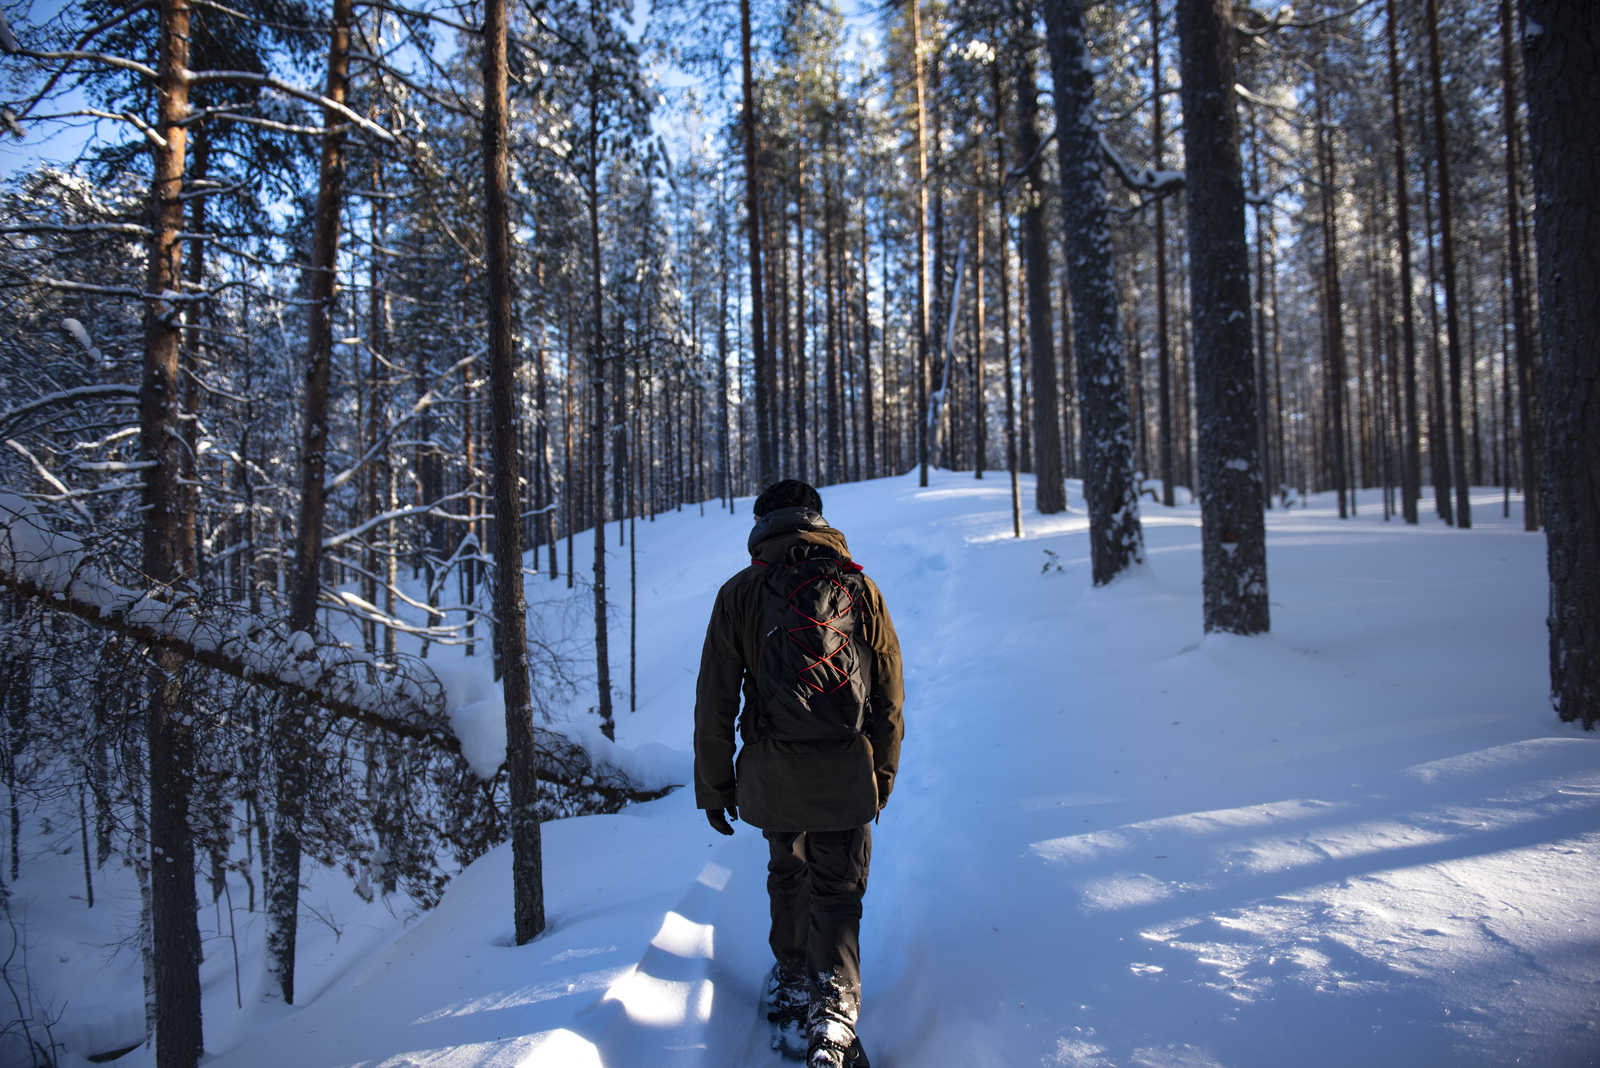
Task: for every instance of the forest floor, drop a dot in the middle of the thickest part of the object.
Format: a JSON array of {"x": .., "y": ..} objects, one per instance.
[{"x": 1363, "y": 838}]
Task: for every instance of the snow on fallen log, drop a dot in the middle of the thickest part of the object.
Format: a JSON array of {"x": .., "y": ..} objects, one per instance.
[
  {"x": 56, "y": 567},
  {"x": 406, "y": 698}
]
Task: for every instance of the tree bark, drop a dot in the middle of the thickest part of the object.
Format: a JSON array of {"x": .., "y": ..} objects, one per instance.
[
  {"x": 510, "y": 605},
  {"x": 1521, "y": 328},
  {"x": 766, "y": 447},
  {"x": 1563, "y": 78},
  {"x": 1116, "y": 539},
  {"x": 175, "y": 931},
  {"x": 1003, "y": 273},
  {"x": 870, "y": 428},
  {"x": 1447, "y": 252},
  {"x": 923, "y": 324},
  {"x": 290, "y": 743},
  {"x": 1232, "y": 526},
  {"x": 1438, "y": 436},
  {"x": 1050, "y": 491},
  {"x": 1411, "y": 450},
  {"x": 1333, "y": 308},
  {"x": 597, "y": 410},
  {"x": 802, "y": 469},
  {"x": 1163, "y": 342}
]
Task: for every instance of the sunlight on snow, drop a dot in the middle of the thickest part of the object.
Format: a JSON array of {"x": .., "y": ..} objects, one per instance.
[
  {"x": 662, "y": 1002},
  {"x": 682, "y": 937},
  {"x": 715, "y": 876},
  {"x": 1124, "y": 892},
  {"x": 562, "y": 1047}
]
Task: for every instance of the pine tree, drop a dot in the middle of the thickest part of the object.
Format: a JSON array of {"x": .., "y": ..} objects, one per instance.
[
  {"x": 1233, "y": 542},
  {"x": 1116, "y": 540},
  {"x": 1562, "y": 67}
]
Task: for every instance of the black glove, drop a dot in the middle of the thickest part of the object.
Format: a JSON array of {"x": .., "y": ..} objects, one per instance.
[{"x": 719, "y": 822}]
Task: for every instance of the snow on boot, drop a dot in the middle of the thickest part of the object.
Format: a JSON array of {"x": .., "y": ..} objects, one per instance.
[
  {"x": 787, "y": 996},
  {"x": 831, "y": 1025}
]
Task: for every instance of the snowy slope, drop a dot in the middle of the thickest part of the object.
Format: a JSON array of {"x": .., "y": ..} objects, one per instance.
[{"x": 1114, "y": 841}]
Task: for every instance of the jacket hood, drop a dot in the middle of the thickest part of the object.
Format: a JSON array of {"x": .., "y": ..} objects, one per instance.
[{"x": 777, "y": 530}]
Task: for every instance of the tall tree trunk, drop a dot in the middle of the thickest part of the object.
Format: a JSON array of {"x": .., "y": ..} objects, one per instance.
[
  {"x": 802, "y": 469},
  {"x": 1163, "y": 340},
  {"x": 923, "y": 323},
  {"x": 1116, "y": 539},
  {"x": 1521, "y": 328},
  {"x": 1447, "y": 251},
  {"x": 1232, "y": 528},
  {"x": 1003, "y": 273},
  {"x": 1050, "y": 491},
  {"x": 1263, "y": 439},
  {"x": 175, "y": 931},
  {"x": 724, "y": 446},
  {"x": 291, "y": 744},
  {"x": 597, "y": 410},
  {"x": 980, "y": 409},
  {"x": 766, "y": 447},
  {"x": 835, "y": 452},
  {"x": 1563, "y": 78},
  {"x": 1411, "y": 449},
  {"x": 1333, "y": 307},
  {"x": 1438, "y": 435},
  {"x": 510, "y": 605},
  {"x": 870, "y": 430}
]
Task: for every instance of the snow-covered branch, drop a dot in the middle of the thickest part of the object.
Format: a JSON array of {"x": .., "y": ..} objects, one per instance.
[
  {"x": 109, "y": 391},
  {"x": 101, "y": 58},
  {"x": 405, "y": 699},
  {"x": 339, "y": 539},
  {"x": 267, "y": 81},
  {"x": 128, "y": 228},
  {"x": 46, "y": 565},
  {"x": 1140, "y": 179}
]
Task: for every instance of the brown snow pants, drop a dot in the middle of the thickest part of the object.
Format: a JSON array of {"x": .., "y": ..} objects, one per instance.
[{"x": 815, "y": 883}]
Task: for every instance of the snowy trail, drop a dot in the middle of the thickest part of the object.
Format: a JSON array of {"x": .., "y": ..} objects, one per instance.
[
  {"x": 1114, "y": 841},
  {"x": 1038, "y": 913}
]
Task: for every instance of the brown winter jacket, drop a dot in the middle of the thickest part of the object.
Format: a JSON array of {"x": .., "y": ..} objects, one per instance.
[{"x": 791, "y": 786}]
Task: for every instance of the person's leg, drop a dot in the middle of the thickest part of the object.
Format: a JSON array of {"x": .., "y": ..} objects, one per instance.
[
  {"x": 838, "y": 863},
  {"x": 787, "y": 991},
  {"x": 788, "y": 895}
]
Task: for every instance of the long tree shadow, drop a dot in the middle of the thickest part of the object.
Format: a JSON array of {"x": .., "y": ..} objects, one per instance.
[{"x": 1366, "y": 920}]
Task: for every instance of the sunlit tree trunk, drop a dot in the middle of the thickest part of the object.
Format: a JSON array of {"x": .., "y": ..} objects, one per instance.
[
  {"x": 923, "y": 296},
  {"x": 510, "y": 605},
  {"x": 174, "y": 929}
]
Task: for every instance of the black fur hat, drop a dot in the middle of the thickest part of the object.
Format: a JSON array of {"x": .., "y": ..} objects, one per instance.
[{"x": 788, "y": 493}]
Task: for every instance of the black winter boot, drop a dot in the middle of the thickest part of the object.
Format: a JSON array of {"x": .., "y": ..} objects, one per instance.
[
  {"x": 787, "y": 996},
  {"x": 831, "y": 1025}
]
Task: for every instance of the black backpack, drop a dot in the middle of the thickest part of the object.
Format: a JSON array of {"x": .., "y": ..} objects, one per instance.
[{"x": 813, "y": 677}]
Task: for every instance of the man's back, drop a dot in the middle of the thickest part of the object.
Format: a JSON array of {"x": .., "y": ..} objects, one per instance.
[{"x": 818, "y": 783}]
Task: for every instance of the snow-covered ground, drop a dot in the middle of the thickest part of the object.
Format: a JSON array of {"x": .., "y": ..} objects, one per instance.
[{"x": 1363, "y": 838}]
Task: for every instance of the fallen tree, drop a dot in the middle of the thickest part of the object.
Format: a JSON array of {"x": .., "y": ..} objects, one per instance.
[{"x": 402, "y": 697}]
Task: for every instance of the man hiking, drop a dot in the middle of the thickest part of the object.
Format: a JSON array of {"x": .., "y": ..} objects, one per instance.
[{"x": 804, "y": 635}]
